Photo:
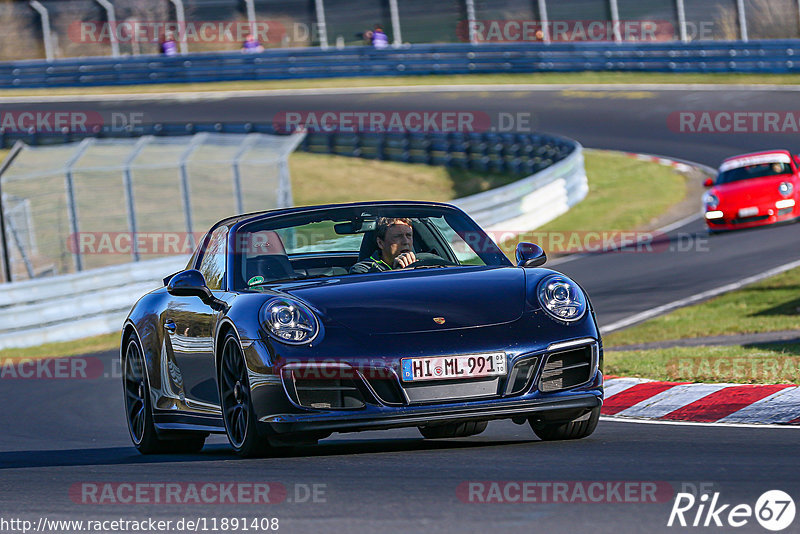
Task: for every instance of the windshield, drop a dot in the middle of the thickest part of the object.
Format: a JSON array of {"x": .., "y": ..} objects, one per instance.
[
  {"x": 753, "y": 171},
  {"x": 351, "y": 241}
]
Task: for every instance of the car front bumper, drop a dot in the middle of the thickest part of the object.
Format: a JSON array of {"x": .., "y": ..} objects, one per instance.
[
  {"x": 767, "y": 214},
  {"x": 566, "y": 407}
]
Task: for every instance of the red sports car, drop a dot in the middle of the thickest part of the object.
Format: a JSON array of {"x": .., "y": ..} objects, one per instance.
[{"x": 753, "y": 190}]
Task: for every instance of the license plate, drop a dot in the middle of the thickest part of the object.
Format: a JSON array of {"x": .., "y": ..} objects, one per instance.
[
  {"x": 747, "y": 212},
  {"x": 449, "y": 367}
]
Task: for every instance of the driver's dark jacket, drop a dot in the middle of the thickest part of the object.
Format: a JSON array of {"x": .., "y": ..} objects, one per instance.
[{"x": 373, "y": 264}]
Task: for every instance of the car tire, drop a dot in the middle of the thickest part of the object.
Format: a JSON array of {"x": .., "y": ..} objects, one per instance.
[
  {"x": 453, "y": 430},
  {"x": 579, "y": 428},
  {"x": 236, "y": 402},
  {"x": 139, "y": 412}
]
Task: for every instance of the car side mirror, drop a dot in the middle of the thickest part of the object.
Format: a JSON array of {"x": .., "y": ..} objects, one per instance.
[
  {"x": 530, "y": 255},
  {"x": 190, "y": 283},
  {"x": 708, "y": 182}
]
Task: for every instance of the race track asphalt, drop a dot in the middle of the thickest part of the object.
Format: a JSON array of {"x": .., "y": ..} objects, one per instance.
[{"x": 59, "y": 433}]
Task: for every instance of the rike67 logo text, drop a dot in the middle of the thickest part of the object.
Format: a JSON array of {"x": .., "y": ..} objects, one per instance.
[{"x": 774, "y": 510}]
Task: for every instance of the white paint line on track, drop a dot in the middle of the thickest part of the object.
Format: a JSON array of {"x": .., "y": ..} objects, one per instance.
[
  {"x": 780, "y": 407},
  {"x": 670, "y": 400},
  {"x": 618, "y": 385},
  {"x": 222, "y": 95},
  {"x": 664, "y": 308},
  {"x": 615, "y": 419}
]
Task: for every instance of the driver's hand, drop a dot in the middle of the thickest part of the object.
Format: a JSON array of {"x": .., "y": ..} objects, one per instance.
[{"x": 404, "y": 260}]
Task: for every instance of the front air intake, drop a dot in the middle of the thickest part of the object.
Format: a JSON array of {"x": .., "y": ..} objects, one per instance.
[
  {"x": 567, "y": 369},
  {"x": 324, "y": 394}
]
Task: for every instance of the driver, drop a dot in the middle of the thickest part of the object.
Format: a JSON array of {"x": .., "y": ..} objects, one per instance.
[{"x": 395, "y": 239}]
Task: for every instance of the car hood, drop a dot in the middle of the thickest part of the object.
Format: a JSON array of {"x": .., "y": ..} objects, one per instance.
[
  {"x": 752, "y": 190},
  {"x": 404, "y": 302}
]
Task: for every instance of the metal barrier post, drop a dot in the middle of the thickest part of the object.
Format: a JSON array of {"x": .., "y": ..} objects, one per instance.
[
  {"x": 127, "y": 181},
  {"x": 46, "y": 34},
  {"x": 72, "y": 208},
  {"x": 251, "y": 16},
  {"x": 237, "y": 180},
  {"x": 473, "y": 37},
  {"x": 180, "y": 18},
  {"x": 398, "y": 39},
  {"x": 615, "y": 20},
  {"x": 682, "y": 20},
  {"x": 9, "y": 159},
  {"x": 321, "y": 25},
  {"x": 196, "y": 141},
  {"x": 112, "y": 22},
  {"x": 742, "y": 20},
  {"x": 545, "y": 21}
]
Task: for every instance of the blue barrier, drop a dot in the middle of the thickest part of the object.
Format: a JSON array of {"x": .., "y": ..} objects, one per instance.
[
  {"x": 517, "y": 154},
  {"x": 773, "y": 56}
]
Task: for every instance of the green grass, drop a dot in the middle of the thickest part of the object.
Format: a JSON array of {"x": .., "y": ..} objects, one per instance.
[
  {"x": 767, "y": 306},
  {"x": 583, "y": 78},
  {"x": 318, "y": 179},
  {"x": 64, "y": 349},
  {"x": 762, "y": 364},
  {"x": 624, "y": 194}
]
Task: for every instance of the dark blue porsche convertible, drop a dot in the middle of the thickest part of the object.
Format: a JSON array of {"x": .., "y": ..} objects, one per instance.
[{"x": 291, "y": 324}]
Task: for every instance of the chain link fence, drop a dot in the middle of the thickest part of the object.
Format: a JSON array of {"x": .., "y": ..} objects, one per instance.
[
  {"x": 137, "y": 27},
  {"x": 104, "y": 202}
]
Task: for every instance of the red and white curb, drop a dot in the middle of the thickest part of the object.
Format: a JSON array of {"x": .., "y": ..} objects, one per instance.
[
  {"x": 702, "y": 403},
  {"x": 667, "y": 162}
]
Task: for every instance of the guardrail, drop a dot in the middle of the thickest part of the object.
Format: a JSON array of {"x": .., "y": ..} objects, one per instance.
[
  {"x": 768, "y": 56},
  {"x": 95, "y": 302},
  {"x": 520, "y": 154}
]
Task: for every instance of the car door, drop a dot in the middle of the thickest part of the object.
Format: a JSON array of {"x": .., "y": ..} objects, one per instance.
[{"x": 190, "y": 323}]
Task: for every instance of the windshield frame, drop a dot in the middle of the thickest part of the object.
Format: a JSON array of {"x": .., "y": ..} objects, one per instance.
[{"x": 459, "y": 221}]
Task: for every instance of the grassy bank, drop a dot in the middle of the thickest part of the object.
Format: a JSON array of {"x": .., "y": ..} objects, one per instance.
[
  {"x": 754, "y": 364},
  {"x": 767, "y": 306}
]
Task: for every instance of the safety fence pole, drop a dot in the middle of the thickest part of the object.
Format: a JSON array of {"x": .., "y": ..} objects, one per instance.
[
  {"x": 196, "y": 141},
  {"x": 112, "y": 23},
  {"x": 47, "y": 35},
  {"x": 322, "y": 27},
  {"x": 180, "y": 18},
  {"x": 9, "y": 159},
  {"x": 72, "y": 207},
  {"x": 682, "y": 20},
  {"x": 742, "y": 20},
  {"x": 395, "y": 14},
  {"x": 127, "y": 182}
]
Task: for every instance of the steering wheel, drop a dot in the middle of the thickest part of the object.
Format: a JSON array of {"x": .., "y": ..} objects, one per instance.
[{"x": 426, "y": 259}]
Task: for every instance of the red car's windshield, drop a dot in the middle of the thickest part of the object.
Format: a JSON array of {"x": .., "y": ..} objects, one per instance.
[{"x": 753, "y": 171}]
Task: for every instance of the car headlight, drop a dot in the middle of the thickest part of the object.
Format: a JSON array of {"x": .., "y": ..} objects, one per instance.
[
  {"x": 289, "y": 321},
  {"x": 786, "y": 189},
  {"x": 561, "y": 298},
  {"x": 711, "y": 201}
]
